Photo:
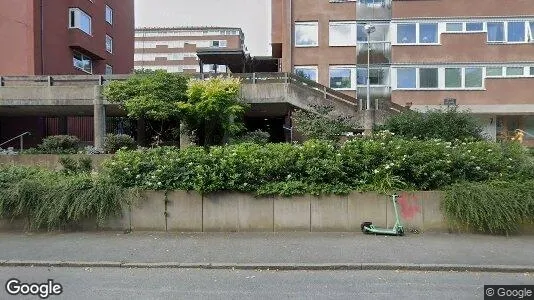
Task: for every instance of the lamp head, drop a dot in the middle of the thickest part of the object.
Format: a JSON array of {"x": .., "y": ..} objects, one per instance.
[{"x": 369, "y": 28}]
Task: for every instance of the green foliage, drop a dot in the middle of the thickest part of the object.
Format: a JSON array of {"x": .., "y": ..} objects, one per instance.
[
  {"x": 71, "y": 165},
  {"x": 322, "y": 124},
  {"x": 449, "y": 125},
  {"x": 381, "y": 163},
  {"x": 153, "y": 95},
  {"x": 53, "y": 200},
  {"x": 57, "y": 144},
  {"x": 114, "y": 142},
  {"x": 257, "y": 137},
  {"x": 214, "y": 109},
  {"x": 493, "y": 207}
]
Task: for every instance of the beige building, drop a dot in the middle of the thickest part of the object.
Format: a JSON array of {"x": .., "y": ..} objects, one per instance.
[
  {"x": 477, "y": 54},
  {"x": 175, "y": 49}
]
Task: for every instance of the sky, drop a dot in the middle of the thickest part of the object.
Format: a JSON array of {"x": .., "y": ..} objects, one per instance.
[{"x": 253, "y": 16}]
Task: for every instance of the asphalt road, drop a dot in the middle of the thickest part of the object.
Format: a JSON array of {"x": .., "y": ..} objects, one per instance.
[{"x": 117, "y": 283}]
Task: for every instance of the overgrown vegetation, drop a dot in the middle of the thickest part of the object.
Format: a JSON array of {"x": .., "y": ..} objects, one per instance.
[
  {"x": 448, "y": 124},
  {"x": 499, "y": 207},
  {"x": 322, "y": 124},
  {"x": 57, "y": 144},
  {"x": 114, "y": 142},
  {"x": 72, "y": 165},
  {"x": 381, "y": 163},
  {"x": 53, "y": 200},
  {"x": 210, "y": 108},
  {"x": 257, "y": 137}
]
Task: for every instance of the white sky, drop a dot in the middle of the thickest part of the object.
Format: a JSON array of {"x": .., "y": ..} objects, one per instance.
[{"x": 253, "y": 16}]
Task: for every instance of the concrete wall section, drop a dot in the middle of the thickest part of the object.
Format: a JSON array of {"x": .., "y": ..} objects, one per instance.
[
  {"x": 220, "y": 212},
  {"x": 149, "y": 212},
  {"x": 330, "y": 213},
  {"x": 184, "y": 211},
  {"x": 292, "y": 214}
]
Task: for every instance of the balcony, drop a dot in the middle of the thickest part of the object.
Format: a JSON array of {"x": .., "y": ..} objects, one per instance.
[
  {"x": 380, "y": 52},
  {"x": 373, "y": 9}
]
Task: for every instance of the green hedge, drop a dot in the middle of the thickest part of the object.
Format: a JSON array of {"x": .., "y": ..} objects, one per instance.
[
  {"x": 491, "y": 207},
  {"x": 378, "y": 164}
]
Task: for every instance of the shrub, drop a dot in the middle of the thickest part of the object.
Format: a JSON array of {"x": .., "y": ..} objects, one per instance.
[
  {"x": 491, "y": 207},
  {"x": 256, "y": 137},
  {"x": 114, "y": 142},
  {"x": 449, "y": 124},
  {"x": 52, "y": 199},
  {"x": 323, "y": 124},
  {"x": 59, "y": 144},
  {"x": 71, "y": 165},
  {"x": 381, "y": 163}
]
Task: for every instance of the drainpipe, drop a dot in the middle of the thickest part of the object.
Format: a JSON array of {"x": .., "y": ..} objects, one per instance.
[
  {"x": 42, "y": 38},
  {"x": 291, "y": 36}
]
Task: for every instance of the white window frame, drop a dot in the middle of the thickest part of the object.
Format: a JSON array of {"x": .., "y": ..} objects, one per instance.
[
  {"x": 110, "y": 40},
  {"x": 78, "y": 13},
  {"x": 387, "y": 84},
  {"x": 314, "y": 23},
  {"x": 315, "y": 68},
  {"x": 109, "y": 13},
  {"x": 84, "y": 57},
  {"x": 337, "y": 23},
  {"x": 528, "y": 38},
  {"x": 417, "y": 33},
  {"x": 441, "y": 77},
  {"x": 353, "y": 76},
  {"x": 109, "y": 67}
]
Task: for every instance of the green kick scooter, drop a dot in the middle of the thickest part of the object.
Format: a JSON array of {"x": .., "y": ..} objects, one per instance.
[{"x": 368, "y": 227}]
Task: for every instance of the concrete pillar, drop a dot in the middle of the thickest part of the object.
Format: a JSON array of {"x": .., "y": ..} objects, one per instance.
[
  {"x": 185, "y": 139},
  {"x": 99, "y": 118}
]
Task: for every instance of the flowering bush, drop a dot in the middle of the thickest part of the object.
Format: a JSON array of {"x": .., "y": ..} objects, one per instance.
[{"x": 379, "y": 163}]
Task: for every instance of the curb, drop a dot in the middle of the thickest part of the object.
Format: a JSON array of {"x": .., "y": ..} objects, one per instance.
[{"x": 273, "y": 266}]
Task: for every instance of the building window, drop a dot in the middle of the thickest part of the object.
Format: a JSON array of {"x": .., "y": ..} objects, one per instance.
[
  {"x": 342, "y": 34},
  {"x": 79, "y": 19},
  {"x": 531, "y": 71},
  {"x": 495, "y": 32},
  {"x": 218, "y": 44},
  {"x": 453, "y": 77},
  {"x": 109, "y": 15},
  {"x": 406, "y": 78},
  {"x": 377, "y": 76},
  {"x": 531, "y": 31},
  {"x": 343, "y": 78},
  {"x": 306, "y": 34},
  {"x": 82, "y": 62},
  {"x": 428, "y": 78},
  {"x": 406, "y": 33},
  {"x": 493, "y": 71},
  {"x": 473, "y": 77},
  {"x": 307, "y": 72},
  {"x": 109, "y": 69},
  {"x": 516, "y": 32},
  {"x": 476, "y": 26},
  {"x": 428, "y": 33},
  {"x": 454, "y": 27},
  {"x": 515, "y": 71},
  {"x": 109, "y": 44}
]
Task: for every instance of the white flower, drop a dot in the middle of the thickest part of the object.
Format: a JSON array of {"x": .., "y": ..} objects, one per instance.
[
  {"x": 138, "y": 176},
  {"x": 477, "y": 168}
]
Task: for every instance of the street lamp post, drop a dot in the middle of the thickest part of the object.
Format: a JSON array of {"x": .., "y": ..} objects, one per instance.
[{"x": 369, "y": 28}]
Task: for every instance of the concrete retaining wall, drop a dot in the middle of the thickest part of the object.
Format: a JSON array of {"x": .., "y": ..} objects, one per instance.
[
  {"x": 181, "y": 211},
  {"x": 49, "y": 161}
]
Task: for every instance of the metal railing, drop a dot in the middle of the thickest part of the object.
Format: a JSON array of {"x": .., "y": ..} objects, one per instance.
[{"x": 21, "y": 137}]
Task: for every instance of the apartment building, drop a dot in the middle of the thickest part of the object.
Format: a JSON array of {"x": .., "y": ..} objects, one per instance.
[
  {"x": 175, "y": 49},
  {"x": 44, "y": 37},
  {"x": 477, "y": 54}
]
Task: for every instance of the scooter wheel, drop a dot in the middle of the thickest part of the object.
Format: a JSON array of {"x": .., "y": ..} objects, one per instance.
[
  {"x": 400, "y": 232},
  {"x": 366, "y": 224}
]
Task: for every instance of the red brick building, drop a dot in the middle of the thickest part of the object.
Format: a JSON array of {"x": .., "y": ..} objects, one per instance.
[{"x": 53, "y": 37}]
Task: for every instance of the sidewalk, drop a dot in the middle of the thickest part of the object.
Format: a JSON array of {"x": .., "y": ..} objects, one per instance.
[{"x": 260, "y": 250}]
